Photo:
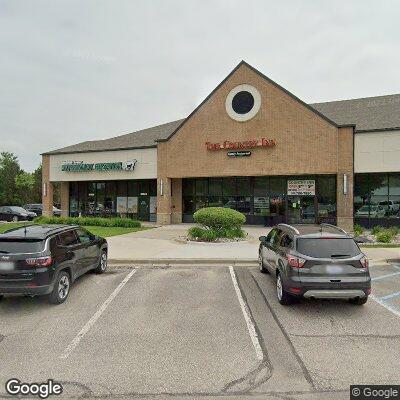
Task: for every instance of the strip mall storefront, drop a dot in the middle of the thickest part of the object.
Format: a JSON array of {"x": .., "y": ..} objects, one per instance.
[{"x": 250, "y": 145}]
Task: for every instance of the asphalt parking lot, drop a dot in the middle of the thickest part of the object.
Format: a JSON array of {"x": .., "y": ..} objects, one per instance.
[{"x": 200, "y": 332}]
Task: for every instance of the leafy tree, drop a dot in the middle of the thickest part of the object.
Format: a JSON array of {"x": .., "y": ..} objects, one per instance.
[
  {"x": 24, "y": 184},
  {"x": 37, "y": 186},
  {"x": 9, "y": 170}
]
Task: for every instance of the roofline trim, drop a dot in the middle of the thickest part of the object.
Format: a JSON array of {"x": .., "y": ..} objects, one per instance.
[
  {"x": 262, "y": 76},
  {"x": 50, "y": 153},
  {"x": 395, "y": 128}
]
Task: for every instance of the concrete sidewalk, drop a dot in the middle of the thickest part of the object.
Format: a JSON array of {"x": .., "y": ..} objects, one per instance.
[{"x": 160, "y": 246}]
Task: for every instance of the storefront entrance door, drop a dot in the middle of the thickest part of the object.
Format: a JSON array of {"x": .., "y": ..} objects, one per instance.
[
  {"x": 143, "y": 207},
  {"x": 301, "y": 210}
]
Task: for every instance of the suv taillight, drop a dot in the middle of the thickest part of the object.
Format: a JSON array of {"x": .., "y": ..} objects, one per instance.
[
  {"x": 364, "y": 262},
  {"x": 39, "y": 261},
  {"x": 295, "y": 262}
]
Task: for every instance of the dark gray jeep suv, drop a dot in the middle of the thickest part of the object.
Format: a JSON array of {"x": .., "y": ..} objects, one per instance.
[{"x": 315, "y": 261}]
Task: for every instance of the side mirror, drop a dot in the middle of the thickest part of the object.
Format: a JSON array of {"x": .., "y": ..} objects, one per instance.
[{"x": 263, "y": 239}]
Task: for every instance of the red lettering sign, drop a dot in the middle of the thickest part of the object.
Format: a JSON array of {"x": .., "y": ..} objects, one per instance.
[{"x": 247, "y": 144}]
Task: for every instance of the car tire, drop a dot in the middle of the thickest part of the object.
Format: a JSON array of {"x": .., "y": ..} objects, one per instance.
[
  {"x": 61, "y": 288},
  {"x": 15, "y": 218},
  {"x": 359, "y": 301},
  {"x": 263, "y": 270},
  {"x": 284, "y": 297},
  {"x": 102, "y": 267}
]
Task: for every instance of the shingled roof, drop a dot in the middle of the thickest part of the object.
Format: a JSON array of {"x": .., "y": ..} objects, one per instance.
[{"x": 368, "y": 114}]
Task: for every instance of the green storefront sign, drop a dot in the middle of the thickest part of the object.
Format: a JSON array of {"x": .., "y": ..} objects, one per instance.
[{"x": 110, "y": 166}]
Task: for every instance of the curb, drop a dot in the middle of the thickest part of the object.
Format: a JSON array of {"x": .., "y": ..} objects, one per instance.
[{"x": 186, "y": 261}]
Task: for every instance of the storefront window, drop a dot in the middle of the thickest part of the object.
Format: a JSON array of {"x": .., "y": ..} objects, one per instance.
[
  {"x": 188, "y": 187},
  {"x": 228, "y": 186},
  {"x": 277, "y": 196},
  {"x": 243, "y": 204},
  {"x": 214, "y": 201},
  {"x": 361, "y": 196},
  {"x": 229, "y": 202},
  {"x": 122, "y": 198},
  {"x": 189, "y": 205},
  {"x": 201, "y": 202},
  {"x": 215, "y": 187},
  {"x": 243, "y": 186},
  {"x": 90, "y": 206},
  {"x": 326, "y": 189},
  {"x": 73, "y": 199},
  {"x": 261, "y": 196},
  {"x": 394, "y": 196},
  {"x": 202, "y": 187},
  {"x": 378, "y": 186},
  {"x": 110, "y": 198}
]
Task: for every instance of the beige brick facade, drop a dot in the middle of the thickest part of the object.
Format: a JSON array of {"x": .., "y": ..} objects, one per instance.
[
  {"x": 47, "y": 187},
  {"x": 306, "y": 143}
]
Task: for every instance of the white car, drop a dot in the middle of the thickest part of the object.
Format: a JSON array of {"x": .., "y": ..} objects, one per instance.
[
  {"x": 393, "y": 206},
  {"x": 373, "y": 211}
]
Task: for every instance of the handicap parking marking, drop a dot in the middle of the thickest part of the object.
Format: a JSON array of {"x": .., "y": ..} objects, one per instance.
[
  {"x": 377, "y": 278},
  {"x": 383, "y": 303},
  {"x": 85, "y": 329}
]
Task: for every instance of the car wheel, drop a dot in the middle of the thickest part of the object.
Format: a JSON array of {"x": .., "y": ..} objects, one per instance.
[
  {"x": 15, "y": 218},
  {"x": 261, "y": 263},
  {"x": 61, "y": 288},
  {"x": 102, "y": 263},
  {"x": 359, "y": 301},
  {"x": 283, "y": 297}
]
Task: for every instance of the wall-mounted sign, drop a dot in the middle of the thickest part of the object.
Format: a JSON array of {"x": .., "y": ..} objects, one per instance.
[
  {"x": 247, "y": 144},
  {"x": 239, "y": 153},
  {"x": 80, "y": 166},
  {"x": 305, "y": 187}
]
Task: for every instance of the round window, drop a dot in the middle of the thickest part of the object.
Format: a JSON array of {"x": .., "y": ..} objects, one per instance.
[{"x": 243, "y": 102}]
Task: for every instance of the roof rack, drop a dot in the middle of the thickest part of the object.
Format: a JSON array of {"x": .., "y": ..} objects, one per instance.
[
  {"x": 333, "y": 226},
  {"x": 290, "y": 227}
]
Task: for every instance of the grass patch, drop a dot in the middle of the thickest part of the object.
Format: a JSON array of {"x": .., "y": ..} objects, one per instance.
[{"x": 103, "y": 231}]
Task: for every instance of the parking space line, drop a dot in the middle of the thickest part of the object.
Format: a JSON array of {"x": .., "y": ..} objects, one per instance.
[
  {"x": 70, "y": 348},
  {"x": 389, "y": 296},
  {"x": 385, "y": 276},
  {"x": 246, "y": 313},
  {"x": 387, "y": 306}
]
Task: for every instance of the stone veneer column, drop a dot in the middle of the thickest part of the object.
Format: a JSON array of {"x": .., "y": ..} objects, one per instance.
[
  {"x": 164, "y": 201},
  {"x": 176, "y": 217},
  {"x": 64, "y": 199},
  {"x": 47, "y": 187},
  {"x": 345, "y": 202}
]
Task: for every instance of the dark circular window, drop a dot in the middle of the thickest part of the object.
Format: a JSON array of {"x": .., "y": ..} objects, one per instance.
[{"x": 242, "y": 102}]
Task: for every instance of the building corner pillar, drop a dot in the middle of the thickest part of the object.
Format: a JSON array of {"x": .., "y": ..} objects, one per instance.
[
  {"x": 47, "y": 187},
  {"x": 164, "y": 201},
  {"x": 64, "y": 193}
]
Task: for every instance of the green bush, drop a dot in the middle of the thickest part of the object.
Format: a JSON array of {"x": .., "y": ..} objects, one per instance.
[
  {"x": 377, "y": 229},
  {"x": 196, "y": 232},
  {"x": 89, "y": 221},
  {"x": 219, "y": 219},
  {"x": 394, "y": 230},
  {"x": 210, "y": 235},
  {"x": 358, "y": 229},
  {"x": 385, "y": 236}
]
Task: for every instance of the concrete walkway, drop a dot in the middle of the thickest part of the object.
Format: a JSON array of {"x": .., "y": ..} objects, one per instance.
[{"x": 160, "y": 246}]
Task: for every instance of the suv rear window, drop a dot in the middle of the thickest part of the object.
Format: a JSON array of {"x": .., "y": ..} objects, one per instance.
[
  {"x": 328, "y": 247},
  {"x": 21, "y": 246}
]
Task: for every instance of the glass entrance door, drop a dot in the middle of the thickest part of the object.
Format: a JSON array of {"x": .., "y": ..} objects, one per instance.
[
  {"x": 301, "y": 210},
  {"x": 144, "y": 207}
]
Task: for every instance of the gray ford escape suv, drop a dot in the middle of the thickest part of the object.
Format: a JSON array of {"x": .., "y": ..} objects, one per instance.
[{"x": 315, "y": 261}]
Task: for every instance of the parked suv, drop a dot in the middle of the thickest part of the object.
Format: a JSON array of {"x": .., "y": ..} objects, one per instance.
[
  {"x": 315, "y": 261},
  {"x": 47, "y": 259}
]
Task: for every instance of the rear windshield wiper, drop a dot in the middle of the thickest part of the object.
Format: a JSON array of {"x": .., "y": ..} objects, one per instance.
[{"x": 340, "y": 255}]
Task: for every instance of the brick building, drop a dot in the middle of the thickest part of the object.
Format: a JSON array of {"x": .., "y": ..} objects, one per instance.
[{"x": 250, "y": 145}]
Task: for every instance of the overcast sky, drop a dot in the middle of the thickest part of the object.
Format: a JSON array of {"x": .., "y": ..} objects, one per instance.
[{"x": 72, "y": 71}]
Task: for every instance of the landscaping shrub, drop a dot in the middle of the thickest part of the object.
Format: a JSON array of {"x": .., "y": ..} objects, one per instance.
[
  {"x": 219, "y": 219},
  {"x": 376, "y": 229},
  {"x": 90, "y": 221},
  {"x": 358, "y": 229},
  {"x": 217, "y": 222},
  {"x": 385, "y": 236}
]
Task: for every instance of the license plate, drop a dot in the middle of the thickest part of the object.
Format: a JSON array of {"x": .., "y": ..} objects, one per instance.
[
  {"x": 334, "y": 269},
  {"x": 6, "y": 266}
]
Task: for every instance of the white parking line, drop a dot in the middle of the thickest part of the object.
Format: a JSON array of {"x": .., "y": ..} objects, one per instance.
[
  {"x": 387, "y": 306},
  {"x": 377, "y": 278},
  {"x": 70, "y": 348},
  {"x": 389, "y": 296},
  {"x": 246, "y": 313}
]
